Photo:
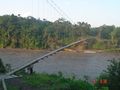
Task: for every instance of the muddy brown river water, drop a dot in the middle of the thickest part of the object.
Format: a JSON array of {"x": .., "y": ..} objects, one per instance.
[{"x": 69, "y": 63}]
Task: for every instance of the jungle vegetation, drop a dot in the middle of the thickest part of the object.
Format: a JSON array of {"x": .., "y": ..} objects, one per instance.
[{"x": 32, "y": 33}]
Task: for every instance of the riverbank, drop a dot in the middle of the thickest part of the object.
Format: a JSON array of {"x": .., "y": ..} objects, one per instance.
[
  {"x": 22, "y": 49},
  {"x": 94, "y": 50},
  {"x": 66, "y": 50},
  {"x": 48, "y": 82},
  {"x": 113, "y": 50}
]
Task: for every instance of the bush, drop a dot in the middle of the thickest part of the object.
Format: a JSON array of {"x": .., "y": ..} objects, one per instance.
[
  {"x": 91, "y": 42},
  {"x": 99, "y": 45},
  {"x": 112, "y": 74}
]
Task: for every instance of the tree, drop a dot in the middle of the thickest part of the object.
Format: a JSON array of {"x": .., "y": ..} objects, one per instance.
[
  {"x": 32, "y": 33},
  {"x": 116, "y": 37},
  {"x": 112, "y": 75},
  {"x": 84, "y": 29},
  {"x": 105, "y": 31}
]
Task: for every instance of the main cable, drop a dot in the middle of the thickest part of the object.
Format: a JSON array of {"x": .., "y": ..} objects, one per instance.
[
  {"x": 62, "y": 11},
  {"x": 54, "y": 8},
  {"x": 59, "y": 10}
]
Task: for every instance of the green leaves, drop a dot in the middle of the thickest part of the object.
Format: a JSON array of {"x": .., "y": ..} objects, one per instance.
[
  {"x": 56, "y": 82},
  {"x": 31, "y": 33},
  {"x": 112, "y": 75}
]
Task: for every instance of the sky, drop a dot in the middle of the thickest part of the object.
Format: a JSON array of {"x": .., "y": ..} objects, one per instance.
[{"x": 95, "y": 12}]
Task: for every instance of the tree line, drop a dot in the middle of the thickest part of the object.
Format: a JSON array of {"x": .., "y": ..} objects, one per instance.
[{"x": 32, "y": 33}]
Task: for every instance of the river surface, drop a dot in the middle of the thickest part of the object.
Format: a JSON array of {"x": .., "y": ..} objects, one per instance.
[{"x": 69, "y": 63}]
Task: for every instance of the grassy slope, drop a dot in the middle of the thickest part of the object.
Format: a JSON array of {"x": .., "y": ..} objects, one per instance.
[{"x": 56, "y": 82}]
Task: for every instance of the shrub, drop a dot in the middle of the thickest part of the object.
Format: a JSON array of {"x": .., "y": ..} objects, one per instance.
[
  {"x": 99, "y": 45},
  {"x": 56, "y": 82},
  {"x": 112, "y": 74}
]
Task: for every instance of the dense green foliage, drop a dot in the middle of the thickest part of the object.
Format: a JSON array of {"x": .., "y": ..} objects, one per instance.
[
  {"x": 56, "y": 82},
  {"x": 112, "y": 75},
  {"x": 31, "y": 33},
  {"x": 12, "y": 87},
  {"x": 2, "y": 67},
  {"x": 53, "y": 82}
]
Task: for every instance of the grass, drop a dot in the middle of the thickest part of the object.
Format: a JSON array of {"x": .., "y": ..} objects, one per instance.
[
  {"x": 113, "y": 50},
  {"x": 9, "y": 87},
  {"x": 52, "y": 82},
  {"x": 56, "y": 82}
]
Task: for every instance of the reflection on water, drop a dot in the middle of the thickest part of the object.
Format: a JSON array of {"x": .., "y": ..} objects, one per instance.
[{"x": 70, "y": 63}]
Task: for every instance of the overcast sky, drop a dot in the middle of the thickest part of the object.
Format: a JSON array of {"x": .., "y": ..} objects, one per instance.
[{"x": 95, "y": 12}]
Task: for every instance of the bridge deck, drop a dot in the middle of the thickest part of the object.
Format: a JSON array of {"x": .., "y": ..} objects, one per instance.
[{"x": 39, "y": 59}]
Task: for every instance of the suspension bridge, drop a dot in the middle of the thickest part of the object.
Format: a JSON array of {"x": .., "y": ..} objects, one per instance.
[{"x": 11, "y": 74}]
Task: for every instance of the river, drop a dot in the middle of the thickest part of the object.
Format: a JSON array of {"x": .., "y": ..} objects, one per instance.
[{"x": 69, "y": 63}]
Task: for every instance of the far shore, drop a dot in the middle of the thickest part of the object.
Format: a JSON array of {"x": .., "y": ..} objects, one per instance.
[
  {"x": 66, "y": 50},
  {"x": 23, "y": 49}
]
